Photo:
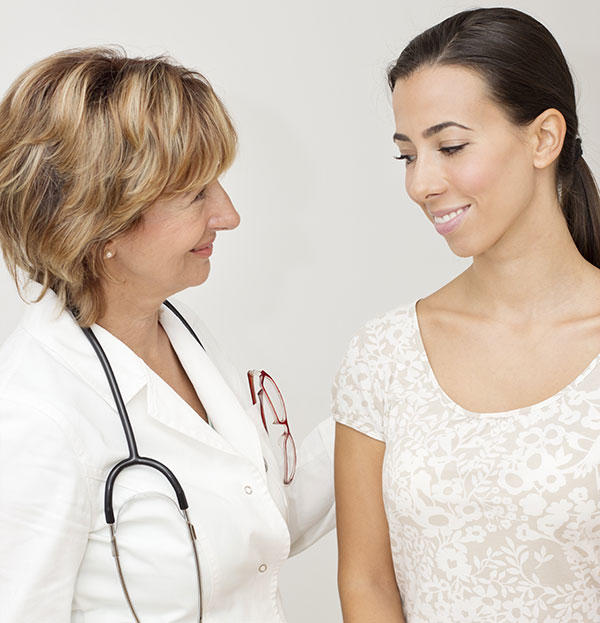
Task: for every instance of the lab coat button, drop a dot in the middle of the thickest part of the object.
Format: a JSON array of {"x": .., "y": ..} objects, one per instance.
[
  {"x": 262, "y": 568},
  {"x": 248, "y": 489}
]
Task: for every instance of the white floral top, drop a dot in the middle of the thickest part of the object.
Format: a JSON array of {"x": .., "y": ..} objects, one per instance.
[{"x": 492, "y": 516}]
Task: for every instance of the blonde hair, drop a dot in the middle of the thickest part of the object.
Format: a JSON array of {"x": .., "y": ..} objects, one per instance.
[{"x": 88, "y": 140}]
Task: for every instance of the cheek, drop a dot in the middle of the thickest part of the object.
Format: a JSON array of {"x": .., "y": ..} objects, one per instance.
[
  {"x": 172, "y": 237},
  {"x": 478, "y": 176},
  {"x": 154, "y": 249},
  {"x": 499, "y": 176}
]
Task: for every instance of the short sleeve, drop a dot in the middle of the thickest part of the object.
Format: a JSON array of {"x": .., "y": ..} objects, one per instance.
[{"x": 357, "y": 393}]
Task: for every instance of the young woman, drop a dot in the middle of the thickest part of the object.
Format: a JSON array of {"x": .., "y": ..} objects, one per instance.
[
  {"x": 110, "y": 202},
  {"x": 467, "y": 452}
]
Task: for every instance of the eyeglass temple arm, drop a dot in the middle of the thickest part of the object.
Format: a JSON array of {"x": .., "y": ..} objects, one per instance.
[{"x": 257, "y": 396}]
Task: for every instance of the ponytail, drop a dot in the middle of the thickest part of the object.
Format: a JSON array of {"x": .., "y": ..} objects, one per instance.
[{"x": 580, "y": 203}]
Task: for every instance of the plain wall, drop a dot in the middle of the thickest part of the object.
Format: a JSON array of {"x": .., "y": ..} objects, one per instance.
[{"x": 328, "y": 236}]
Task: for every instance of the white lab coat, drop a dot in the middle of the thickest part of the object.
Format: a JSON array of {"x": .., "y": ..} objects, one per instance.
[{"x": 59, "y": 436}]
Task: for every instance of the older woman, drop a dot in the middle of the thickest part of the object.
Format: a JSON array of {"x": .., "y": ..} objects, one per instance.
[{"x": 110, "y": 202}]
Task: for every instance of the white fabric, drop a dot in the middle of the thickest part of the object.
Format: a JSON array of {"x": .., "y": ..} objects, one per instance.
[
  {"x": 60, "y": 434},
  {"x": 493, "y": 517}
]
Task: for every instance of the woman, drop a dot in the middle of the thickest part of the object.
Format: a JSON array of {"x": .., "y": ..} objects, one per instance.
[
  {"x": 110, "y": 202},
  {"x": 467, "y": 453}
]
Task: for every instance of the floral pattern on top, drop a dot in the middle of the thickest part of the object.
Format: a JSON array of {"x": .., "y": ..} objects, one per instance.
[{"x": 493, "y": 517}]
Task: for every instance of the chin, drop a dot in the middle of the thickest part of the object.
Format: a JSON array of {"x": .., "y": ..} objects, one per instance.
[
  {"x": 473, "y": 241},
  {"x": 192, "y": 281},
  {"x": 462, "y": 248},
  {"x": 202, "y": 278}
]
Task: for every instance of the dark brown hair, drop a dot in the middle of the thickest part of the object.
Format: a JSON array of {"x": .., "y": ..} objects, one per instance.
[{"x": 526, "y": 73}]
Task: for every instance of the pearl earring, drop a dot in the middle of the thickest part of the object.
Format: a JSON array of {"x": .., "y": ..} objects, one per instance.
[{"x": 108, "y": 255}]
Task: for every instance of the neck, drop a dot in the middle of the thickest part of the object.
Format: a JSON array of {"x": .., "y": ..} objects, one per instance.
[
  {"x": 534, "y": 271},
  {"x": 133, "y": 319}
]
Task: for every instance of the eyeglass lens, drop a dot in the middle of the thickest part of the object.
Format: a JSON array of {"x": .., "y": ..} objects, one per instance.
[
  {"x": 275, "y": 400},
  {"x": 290, "y": 458}
]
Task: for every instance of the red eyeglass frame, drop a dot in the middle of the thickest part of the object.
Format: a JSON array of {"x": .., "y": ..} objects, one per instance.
[{"x": 290, "y": 471}]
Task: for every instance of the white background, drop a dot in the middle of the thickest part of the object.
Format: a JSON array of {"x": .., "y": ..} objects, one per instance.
[{"x": 328, "y": 236}]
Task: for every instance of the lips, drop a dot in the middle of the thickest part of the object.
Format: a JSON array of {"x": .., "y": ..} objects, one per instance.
[
  {"x": 441, "y": 213},
  {"x": 447, "y": 221},
  {"x": 203, "y": 246}
]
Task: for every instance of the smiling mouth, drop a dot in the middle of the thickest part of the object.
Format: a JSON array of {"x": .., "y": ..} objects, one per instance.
[
  {"x": 449, "y": 216},
  {"x": 203, "y": 247}
]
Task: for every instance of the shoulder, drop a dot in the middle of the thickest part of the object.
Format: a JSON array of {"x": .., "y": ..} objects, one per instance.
[
  {"x": 379, "y": 348},
  {"x": 361, "y": 385},
  {"x": 45, "y": 403},
  {"x": 388, "y": 334},
  {"x": 27, "y": 366},
  {"x": 17, "y": 347},
  {"x": 35, "y": 411}
]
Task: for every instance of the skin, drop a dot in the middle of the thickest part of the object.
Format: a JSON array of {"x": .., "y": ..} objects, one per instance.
[
  {"x": 512, "y": 330},
  {"x": 153, "y": 261}
]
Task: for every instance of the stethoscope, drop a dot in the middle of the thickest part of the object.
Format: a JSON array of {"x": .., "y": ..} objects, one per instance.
[{"x": 134, "y": 458}]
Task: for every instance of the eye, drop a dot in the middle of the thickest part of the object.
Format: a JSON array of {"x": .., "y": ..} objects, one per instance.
[
  {"x": 201, "y": 195},
  {"x": 453, "y": 149},
  {"x": 406, "y": 157}
]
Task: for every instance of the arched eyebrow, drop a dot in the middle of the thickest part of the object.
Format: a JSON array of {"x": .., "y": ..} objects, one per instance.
[{"x": 434, "y": 129}]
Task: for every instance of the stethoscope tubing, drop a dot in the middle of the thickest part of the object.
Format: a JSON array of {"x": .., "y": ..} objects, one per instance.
[{"x": 135, "y": 459}]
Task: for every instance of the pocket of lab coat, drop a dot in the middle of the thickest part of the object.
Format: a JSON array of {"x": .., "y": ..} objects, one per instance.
[
  {"x": 273, "y": 466},
  {"x": 155, "y": 550}
]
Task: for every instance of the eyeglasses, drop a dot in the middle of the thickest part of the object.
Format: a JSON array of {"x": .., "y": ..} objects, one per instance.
[{"x": 272, "y": 412}]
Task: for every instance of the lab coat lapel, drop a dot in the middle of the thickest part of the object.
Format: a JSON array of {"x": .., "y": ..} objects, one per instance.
[{"x": 224, "y": 410}]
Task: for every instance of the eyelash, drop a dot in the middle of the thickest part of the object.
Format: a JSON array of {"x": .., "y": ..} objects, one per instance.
[
  {"x": 200, "y": 195},
  {"x": 449, "y": 151}
]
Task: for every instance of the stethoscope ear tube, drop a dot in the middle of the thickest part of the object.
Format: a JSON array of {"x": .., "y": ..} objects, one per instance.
[
  {"x": 116, "y": 392},
  {"x": 134, "y": 458}
]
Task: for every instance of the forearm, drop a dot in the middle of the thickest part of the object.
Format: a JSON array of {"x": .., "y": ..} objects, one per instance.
[{"x": 370, "y": 602}]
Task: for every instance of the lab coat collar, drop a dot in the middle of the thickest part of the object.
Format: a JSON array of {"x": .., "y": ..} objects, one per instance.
[
  {"x": 59, "y": 333},
  {"x": 226, "y": 414}
]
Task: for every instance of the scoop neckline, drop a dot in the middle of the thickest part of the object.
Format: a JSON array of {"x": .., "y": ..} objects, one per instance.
[{"x": 537, "y": 405}]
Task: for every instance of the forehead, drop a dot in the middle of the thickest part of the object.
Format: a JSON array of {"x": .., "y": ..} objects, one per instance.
[{"x": 435, "y": 94}]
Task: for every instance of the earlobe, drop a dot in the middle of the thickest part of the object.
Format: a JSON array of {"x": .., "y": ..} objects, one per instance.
[
  {"x": 549, "y": 130},
  {"x": 109, "y": 252}
]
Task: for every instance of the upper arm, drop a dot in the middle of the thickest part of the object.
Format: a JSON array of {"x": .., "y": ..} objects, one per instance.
[
  {"x": 366, "y": 572},
  {"x": 358, "y": 405},
  {"x": 44, "y": 517},
  {"x": 363, "y": 538}
]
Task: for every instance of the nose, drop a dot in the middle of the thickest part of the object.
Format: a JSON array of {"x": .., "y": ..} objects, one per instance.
[
  {"x": 223, "y": 214},
  {"x": 424, "y": 179}
]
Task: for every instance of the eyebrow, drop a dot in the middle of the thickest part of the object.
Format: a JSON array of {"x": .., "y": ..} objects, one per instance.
[{"x": 434, "y": 129}]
